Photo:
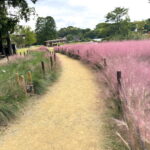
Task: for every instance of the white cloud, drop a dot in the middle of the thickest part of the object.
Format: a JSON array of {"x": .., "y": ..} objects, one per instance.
[{"x": 87, "y": 13}]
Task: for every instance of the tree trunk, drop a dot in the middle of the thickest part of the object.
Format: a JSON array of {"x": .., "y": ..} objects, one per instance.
[
  {"x": 1, "y": 45},
  {"x": 9, "y": 44}
]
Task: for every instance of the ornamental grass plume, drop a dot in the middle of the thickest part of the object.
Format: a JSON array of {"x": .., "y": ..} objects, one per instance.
[
  {"x": 43, "y": 48},
  {"x": 132, "y": 58}
]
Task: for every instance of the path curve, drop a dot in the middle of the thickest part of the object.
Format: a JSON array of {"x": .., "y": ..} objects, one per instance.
[{"x": 66, "y": 118}]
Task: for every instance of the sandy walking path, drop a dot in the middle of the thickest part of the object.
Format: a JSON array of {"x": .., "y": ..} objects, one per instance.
[{"x": 66, "y": 118}]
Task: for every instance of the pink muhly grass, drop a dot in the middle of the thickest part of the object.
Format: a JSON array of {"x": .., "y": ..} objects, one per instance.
[
  {"x": 43, "y": 48},
  {"x": 15, "y": 57},
  {"x": 132, "y": 58}
]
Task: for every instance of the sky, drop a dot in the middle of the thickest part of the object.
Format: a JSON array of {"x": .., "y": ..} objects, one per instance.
[{"x": 86, "y": 13}]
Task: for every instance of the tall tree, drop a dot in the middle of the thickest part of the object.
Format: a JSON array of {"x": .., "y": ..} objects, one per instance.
[
  {"x": 23, "y": 36},
  {"x": 30, "y": 36},
  {"x": 45, "y": 29},
  {"x": 117, "y": 15},
  {"x": 120, "y": 22},
  {"x": 11, "y": 11}
]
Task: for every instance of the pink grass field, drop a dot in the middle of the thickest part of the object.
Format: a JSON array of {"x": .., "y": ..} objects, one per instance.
[{"x": 132, "y": 58}]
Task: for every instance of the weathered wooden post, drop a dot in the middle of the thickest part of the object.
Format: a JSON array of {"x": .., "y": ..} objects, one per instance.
[
  {"x": 23, "y": 84},
  {"x": 118, "y": 88},
  {"x": 30, "y": 87},
  {"x": 29, "y": 76},
  {"x": 140, "y": 141},
  {"x": 55, "y": 57},
  {"x": 119, "y": 78},
  {"x": 87, "y": 53},
  {"x": 105, "y": 62},
  {"x": 17, "y": 78},
  {"x": 43, "y": 66},
  {"x": 51, "y": 61}
]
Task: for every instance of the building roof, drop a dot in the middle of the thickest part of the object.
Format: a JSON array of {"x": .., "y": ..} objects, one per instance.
[{"x": 56, "y": 40}]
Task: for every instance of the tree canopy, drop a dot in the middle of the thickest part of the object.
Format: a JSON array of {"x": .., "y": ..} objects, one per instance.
[
  {"x": 76, "y": 34},
  {"x": 116, "y": 27},
  {"x": 119, "y": 23},
  {"x": 45, "y": 29},
  {"x": 117, "y": 15},
  {"x": 23, "y": 36},
  {"x": 10, "y": 17}
]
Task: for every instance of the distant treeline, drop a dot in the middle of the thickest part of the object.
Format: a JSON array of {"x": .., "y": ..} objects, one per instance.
[
  {"x": 116, "y": 27},
  {"x": 108, "y": 31}
]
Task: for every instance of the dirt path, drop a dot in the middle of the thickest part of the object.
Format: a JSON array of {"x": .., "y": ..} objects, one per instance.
[
  {"x": 66, "y": 118},
  {"x": 3, "y": 61}
]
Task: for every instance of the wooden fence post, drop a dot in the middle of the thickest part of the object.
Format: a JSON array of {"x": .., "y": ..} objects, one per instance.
[
  {"x": 140, "y": 141},
  {"x": 43, "y": 66},
  {"x": 29, "y": 75},
  {"x": 17, "y": 78},
  {"x": 119, "y": 78},
  {"x": 28, "y": 52},
  {"x": 118, "y": 88},
  {"x": 87, "y": 53},
  {"x": 30, "y": 87},
  {"x": 55, "y": 57},
  {"x": 23, "y": 83},
  {"x": 105, "y": 62},
  {"x": 51, "y": 61},
  {"x": 73, "y": 53}
]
